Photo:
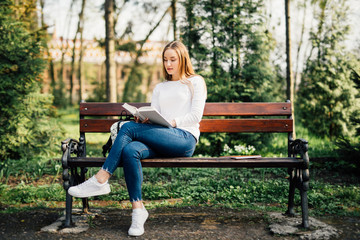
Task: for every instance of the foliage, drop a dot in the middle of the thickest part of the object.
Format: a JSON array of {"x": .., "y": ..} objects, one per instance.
[
  {"x": 235, "y": 188},
  {"x": 349, "y": 147},
  {"x": 25, "y": 123},
  {"x": 139, "y": 79},
  {"x": 327, "y": 90},
  {"x": 28, "y": 169},
  {"x": 245, "y": 188},
  {"x": 230, "y": 47},
  {"x": 238, "y": 150},
  {"x": 24, "y": 193}
]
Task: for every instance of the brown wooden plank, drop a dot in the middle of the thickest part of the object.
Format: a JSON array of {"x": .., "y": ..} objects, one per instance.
[
  {"x": 207, "y": 125},
  {"x": 248, "y": 109},
  {"x": 246, "y": 125},
  {"x": 96, "y": 125},
  {"x": 211, "y": 109},
  {"x": 104, "y": 108},
  {"x": 199, "y": 162}
]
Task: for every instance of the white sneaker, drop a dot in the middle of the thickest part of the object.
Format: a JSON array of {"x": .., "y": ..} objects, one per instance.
[
  {"x": 139, "y": 216},
  {"x": 89, "y": 188}
]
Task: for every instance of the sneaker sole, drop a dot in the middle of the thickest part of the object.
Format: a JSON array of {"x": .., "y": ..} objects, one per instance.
[
  {"x": 139, "y": 234},
  {"x": 89, "y": 195}
]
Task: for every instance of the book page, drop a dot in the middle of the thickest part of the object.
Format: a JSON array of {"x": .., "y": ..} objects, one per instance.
[
  {"x": 133, "y": 110},
  {"x": 147, "y": 112},
  {"x": 154, "y": 116}
]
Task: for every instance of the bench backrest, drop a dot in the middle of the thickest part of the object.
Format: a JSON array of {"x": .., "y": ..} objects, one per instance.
[{"x": 226, "y": 117}]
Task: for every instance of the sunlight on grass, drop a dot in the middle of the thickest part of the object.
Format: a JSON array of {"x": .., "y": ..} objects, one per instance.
[
  {"x": 35, "y": 181},
  {"x": 70, "y": 121}
]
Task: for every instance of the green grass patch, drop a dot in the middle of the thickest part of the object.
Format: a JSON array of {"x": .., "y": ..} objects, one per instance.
[{"x": 260, "y": 189}]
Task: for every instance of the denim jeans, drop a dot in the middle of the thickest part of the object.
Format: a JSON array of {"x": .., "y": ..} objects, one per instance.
[{"x": 136, "y": 141}]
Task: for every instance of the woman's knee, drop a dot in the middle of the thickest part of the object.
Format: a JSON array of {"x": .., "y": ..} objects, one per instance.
[
  {"x": 132, "y": 152},
  {"x": 127, "y": 126}
]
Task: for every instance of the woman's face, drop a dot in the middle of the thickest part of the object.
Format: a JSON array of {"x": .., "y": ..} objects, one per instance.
[{"x": 171, "y": 63}]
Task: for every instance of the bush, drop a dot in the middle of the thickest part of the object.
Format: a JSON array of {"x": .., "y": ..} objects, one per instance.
[{"x": 25, "y": 121}]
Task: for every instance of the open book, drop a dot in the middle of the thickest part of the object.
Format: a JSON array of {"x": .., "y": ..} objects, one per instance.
[
  {"x": 244, "y": 157},
  {"x": 147, "y": 112}
]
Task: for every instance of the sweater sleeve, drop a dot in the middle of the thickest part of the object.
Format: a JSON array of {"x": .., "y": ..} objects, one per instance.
[
  {"x": 197, "y": 104},
  {"x": 155, "y": 98}
]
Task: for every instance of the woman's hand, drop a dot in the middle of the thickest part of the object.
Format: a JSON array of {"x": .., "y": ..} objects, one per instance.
[
  {"x": 146, "y": 120},
  {"x": 173, "y": 123}
]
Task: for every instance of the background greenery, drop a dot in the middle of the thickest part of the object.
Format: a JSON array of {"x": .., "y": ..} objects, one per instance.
[
  {"x": 334, "y": 187},
  {"x": 231, "y": 48}
]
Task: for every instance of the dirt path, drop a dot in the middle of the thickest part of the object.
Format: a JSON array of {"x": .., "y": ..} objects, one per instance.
[{"x": 164, "y": 223}]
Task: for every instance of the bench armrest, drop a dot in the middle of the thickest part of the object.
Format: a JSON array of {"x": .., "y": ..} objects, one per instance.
[
  {"x": 300, "y": 146},
  {"x": 70, "y": 146}
]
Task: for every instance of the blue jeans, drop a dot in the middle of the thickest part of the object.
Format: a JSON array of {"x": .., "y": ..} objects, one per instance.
[{"x": 136, "y": 141}]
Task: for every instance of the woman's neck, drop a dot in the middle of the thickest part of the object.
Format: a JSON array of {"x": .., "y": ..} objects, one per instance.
[{"x": 175, "y": 78}]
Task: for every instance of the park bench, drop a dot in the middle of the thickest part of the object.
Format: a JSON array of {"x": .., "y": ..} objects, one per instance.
[{"x": 225, "y": 117}]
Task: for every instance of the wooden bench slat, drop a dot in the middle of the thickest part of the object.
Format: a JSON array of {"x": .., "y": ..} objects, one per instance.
[
  {"x": 248, "y": 109},
  {"x": 207, "y": 125},
  {"x": 246, "y": 125},
  {"x": 197, "y": 162},
  {"x": 105, "y": 108},
  {"x": 211, "y": 109}
]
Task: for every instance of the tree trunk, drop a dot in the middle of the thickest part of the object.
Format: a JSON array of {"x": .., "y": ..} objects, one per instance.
[
  {"x": 139, "y": 52},
  {"x": 300, "y": 44},
  {"x": 173, "y": 17},
  {"x": 110, "y": 52},
  {"x": 81, "y": 30},
  {"x": 74, "y": 52},
  {"x": 117, "y": 15},
  {"x": 289, "y": 74},
  {"x": 214, "y": 57},
  {"x": 49, "y": 58}
]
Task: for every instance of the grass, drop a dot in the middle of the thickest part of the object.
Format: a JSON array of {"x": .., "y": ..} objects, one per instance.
[{"x": 35, "y": 181}]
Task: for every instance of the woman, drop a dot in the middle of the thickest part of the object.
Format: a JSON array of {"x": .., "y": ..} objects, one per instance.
[{"x": 181, "y": 100}]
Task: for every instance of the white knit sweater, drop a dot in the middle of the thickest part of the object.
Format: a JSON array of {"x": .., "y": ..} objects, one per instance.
[{"x": 174, "y": 101}]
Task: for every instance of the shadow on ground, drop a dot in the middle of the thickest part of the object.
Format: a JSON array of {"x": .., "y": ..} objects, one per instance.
[{"x": 168, "y": 223}]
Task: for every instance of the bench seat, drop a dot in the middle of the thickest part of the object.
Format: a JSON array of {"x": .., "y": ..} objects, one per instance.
[
  {"x": 218, "y": 118},
  {"x": 195, "y": 162}
]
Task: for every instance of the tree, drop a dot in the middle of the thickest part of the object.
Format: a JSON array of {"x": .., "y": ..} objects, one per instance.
[
  {"x": 78, "y": 31},
  {"x": 230, "y": 46},
  {"x": 327, "y": 95},
  {"x": 173, "y": 18},
  {"x": 290, "y": 87},
  {"x": 49, "y": 58},
  {"x": 139, "y": 71},
  {"x": 25, "y": 123},
  {"x": 110, "y": 51}
]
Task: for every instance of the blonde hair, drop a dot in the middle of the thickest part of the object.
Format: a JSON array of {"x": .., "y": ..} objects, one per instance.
[{"x": 185, "y": 67}]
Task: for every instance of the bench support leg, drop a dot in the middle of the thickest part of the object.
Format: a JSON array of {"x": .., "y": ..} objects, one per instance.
[
  {"x": 68, "y": 219},
  {"x": 304, "y": 199},
  {"x": 85, "y": 201},
  {"x": 304, "y": 209},
  {"x": 85, "y": 204},
  {"x": 290, "y": 211}
]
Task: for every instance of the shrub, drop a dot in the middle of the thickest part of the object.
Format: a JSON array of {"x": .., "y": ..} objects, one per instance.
[{"x": 25, "y": 120}]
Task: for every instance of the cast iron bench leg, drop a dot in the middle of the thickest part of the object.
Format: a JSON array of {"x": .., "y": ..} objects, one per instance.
[
  {"x": 290, "y": 211},
  {"x": 85, "y": 201},
  {"x": 304, "y": 209},
  {"x": 304, "y": 198},
  {"x": 68, "y": 210}
]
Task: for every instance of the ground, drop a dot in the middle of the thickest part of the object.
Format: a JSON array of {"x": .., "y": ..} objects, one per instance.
[{"x": 164, "y": 223}]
